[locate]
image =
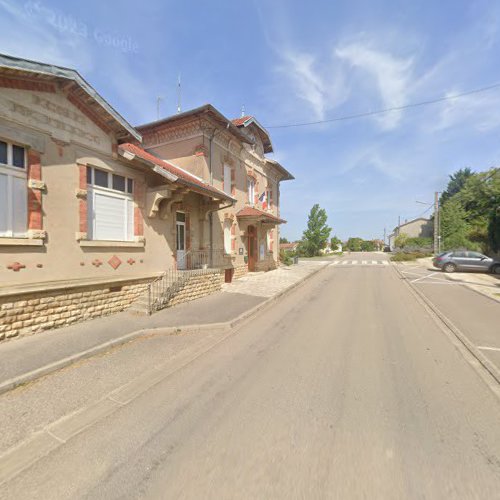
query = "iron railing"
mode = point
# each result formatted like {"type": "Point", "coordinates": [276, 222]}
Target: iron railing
{"type": "Point", "coordinates": [194, 263]}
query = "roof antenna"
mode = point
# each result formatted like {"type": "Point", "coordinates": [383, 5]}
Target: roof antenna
{"type": "Point", "coordinates": [243, 111]}
{"type": "Point", "coordinates": [179, 95]}
{"type": "Point", "coordinates": [158, 100]}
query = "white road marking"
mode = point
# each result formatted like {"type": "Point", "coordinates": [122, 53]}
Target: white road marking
{"type": "Point", "coordinates": [486, 348]}
{"type": "Point", "coordinates": [354, 262]}
{"type": "Point", "coordinates": [423, 277]}
{"type": "Point", "coordinates": [385, 262]}
{"type": "Point", "coordinates": [345, 262]}
{"type": "Point", "coordinates": [335, 263]}
{"type": "Point", "coordinates": [364, 262]}
{"type": "Point", "coordinates": [375, 261]}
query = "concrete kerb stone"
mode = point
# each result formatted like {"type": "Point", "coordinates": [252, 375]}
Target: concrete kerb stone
{"type": "Point", "coordinates": [27, 452]}
{"type": "Point", "coordinates": [31, 376]}
{"type": "Point", "coordinates": [492, 370]}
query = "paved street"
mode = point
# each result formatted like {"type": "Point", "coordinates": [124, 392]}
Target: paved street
{"type": "Point", "coordinates": [345, 388]}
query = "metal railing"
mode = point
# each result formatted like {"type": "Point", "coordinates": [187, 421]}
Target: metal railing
{"type": "Point", "coordinates": [203, 259]}
{"type": "Point", "coordinates": [194, 263]}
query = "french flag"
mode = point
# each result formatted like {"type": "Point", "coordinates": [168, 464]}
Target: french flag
{"type": "Point", "coordinates": [263, 200]}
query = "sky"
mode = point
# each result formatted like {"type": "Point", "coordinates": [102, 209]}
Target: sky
{"type": "Point", "coordinates": [290, 62]}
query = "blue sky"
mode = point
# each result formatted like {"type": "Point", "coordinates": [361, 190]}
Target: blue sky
{"type": "Point", "coordinates": [289, 61]}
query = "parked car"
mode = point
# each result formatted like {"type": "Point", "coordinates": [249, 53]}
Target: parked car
{"type": "Point", "coordinates": [464, 260]}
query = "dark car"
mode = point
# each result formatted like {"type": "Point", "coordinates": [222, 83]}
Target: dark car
{"type": "Point", "coordinates": [465, 260]}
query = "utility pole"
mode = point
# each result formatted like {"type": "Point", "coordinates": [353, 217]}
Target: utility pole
{"type": "Point", "coordinates": [437, 236]}
{"type": "Point", "coordinates": [385, 234]}
{"type": "Point", "coordinates": [179, 94]}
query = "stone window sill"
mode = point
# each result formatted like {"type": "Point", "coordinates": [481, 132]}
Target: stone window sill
{"type": "Point", "coordinates": [24, 242]}
{"type": "Point", "coordinates": [109, 244]}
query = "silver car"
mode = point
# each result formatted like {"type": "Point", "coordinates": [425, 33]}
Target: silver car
{"type": "Point", "coordinates": [464, 260]}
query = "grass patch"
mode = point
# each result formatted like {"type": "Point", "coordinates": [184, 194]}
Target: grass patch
{"type": "Point", "coordinates": [409, 256]}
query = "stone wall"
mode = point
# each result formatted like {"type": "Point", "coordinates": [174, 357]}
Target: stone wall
{"type": "Point", "coordinates": [28, 313]}
{"type": "Point", "coordinates": [266, 265]}
{"type": "Point", "coordinates": [240, 271]}
{"type": "Point", "coordinates": [198, 286]}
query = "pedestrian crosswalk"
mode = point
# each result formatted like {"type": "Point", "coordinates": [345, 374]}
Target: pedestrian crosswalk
{"type": "Point", "coordinates": [348, 262]}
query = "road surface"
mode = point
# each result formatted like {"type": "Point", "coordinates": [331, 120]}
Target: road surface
{"type": "Point", "coordinates": [346, 388]}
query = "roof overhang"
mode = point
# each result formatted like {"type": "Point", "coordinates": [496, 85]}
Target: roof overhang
{"type": "Point", "coordinates": [205, 110]}
{"type": "Point", "coordinates": [72, 83]}
{"type": "Point", "coordinates": [285, 174]}
{"type": "Point", "coordinates": [246, 121]}
{"type": "Point", "coordinates": [172, 173]}
{"type": "Point", "coordinates": [251, 214]}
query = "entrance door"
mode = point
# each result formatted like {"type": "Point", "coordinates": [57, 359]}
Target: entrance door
{"type": "Point", "coordinates": [180, 225]}
{"type": "Point", "coordinates": [252, 247]}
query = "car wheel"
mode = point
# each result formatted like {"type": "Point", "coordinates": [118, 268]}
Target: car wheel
{"type": "Point", "coordinates": [449, 268]}
{"type": "Point", "coordinates": [495, 269]}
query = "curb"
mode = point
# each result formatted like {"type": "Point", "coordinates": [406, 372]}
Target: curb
{"type": "Point", "coordinates": [29, 451]}
{"type": "Point", "coordinates": [25, 378]}
{"type": "Point", "coordinates": [480, 357]}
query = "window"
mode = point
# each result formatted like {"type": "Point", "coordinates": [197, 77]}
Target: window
{"type": "Point", "coordinates": [270, 196]}
{"type": "Point", "coordinates": [227, 236]}
{"type": "Point", "coordinates": [13, 190]}
{"type": "Point", "coordinates": [251, 191]}
{"type": "Point", "coordinates": [110, 206]}
{"type": "Point", "coordinates": [227, 179]}
{"type": "Point", "coordinates": [475, 255]}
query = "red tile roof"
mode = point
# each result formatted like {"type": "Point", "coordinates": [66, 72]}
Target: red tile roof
{"type": "Point", "coordinates": [240, 121]}
{"type": "Point", "coordinates": [184, 177]}
{"type": "Point", "coordinates": [251, 212]}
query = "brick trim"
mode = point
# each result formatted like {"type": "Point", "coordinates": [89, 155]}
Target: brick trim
{"type": "Point", "coordinates": [14, 83]}
{"type": "Point", "coordinates": [35, 219]}
{"type": "Point", "coordinates": [82, 205]}
{"type": "Point", "coordinates": [139, 198]}
{"type": "Point", "coordinates": [88, 112]}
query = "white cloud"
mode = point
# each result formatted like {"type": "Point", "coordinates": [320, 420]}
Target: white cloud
{"type": "Point", "coordinates": [392, 76]}
{"type": "Point", "coordinates": [315, 81]}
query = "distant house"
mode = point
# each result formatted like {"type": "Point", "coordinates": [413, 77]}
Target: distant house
{"type": "Point", "coordinates": [289, 247]}
{"type": "Point", "coordinates": [416, 228]}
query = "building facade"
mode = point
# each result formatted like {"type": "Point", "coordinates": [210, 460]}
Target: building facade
{"type": "Point", "coordinates": [229, 155]}
{"type": "Point", "coordinates": [88, 217]}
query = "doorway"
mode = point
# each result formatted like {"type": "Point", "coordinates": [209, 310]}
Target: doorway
{"type": "Point", "coordinates": [252, 247]}
{"type": "Point", "coordinates": [180, 239]}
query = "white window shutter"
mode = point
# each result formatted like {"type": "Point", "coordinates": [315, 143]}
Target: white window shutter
{"type": "Point", "coordinates": [110, 217]}
{"type": "Point", "coordinates": [4, 204]}
{"type": "Point", "coordinates": [227, 179]}
{"type": "Point", "coordinates": [19, 206]}
{"type": "Point", "coordinates": [227, 237]}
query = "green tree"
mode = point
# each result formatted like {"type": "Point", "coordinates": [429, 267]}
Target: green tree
{"type": "Point", "coordinates": [284, 240]}
{"type": "Point", "coordinates": [354, 244]}
{"type": "Point", "coordinates": [456, 183]}
{"type": "Point", "coordinates": [335, 242]}
{"type": "Point", "coordinates": [454, 226]}
{"type": "Point", "coordinates": [367, 246]}
{"type": "Point", "coordinates": [315, 237]}
{"type": "Point", "coordinates": [401, 240]}
{"type": "Point", "coordinates": [494, 230]}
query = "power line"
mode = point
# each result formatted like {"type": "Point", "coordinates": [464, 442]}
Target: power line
{"type": "Point", "coordinates": [388, 110]}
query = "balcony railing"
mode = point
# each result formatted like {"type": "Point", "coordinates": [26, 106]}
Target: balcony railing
{"type": "Point", "coordinates": [203, 259]}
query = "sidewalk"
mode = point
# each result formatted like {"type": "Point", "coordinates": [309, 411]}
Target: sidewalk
{"type": "Point", "coordinates": [47, 350]}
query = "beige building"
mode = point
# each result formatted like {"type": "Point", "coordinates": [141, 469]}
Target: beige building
{"type": "Point", "coordinates": [229, 155]}
{"type": "Point", "coordinates": [88, 218]}
{"type": "Point", "coordinates": [416, 228]}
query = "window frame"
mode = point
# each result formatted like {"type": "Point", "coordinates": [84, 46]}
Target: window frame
{"type": "Point", "coordinates": [127, 198]}
{"type": "Point", "coordinates": [251, 192]}
{"type": "Point", "coordinates": [11, 171]}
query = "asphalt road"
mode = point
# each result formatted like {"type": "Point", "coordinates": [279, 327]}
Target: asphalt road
{"type": "Point", "coordinates": [346, 388]}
